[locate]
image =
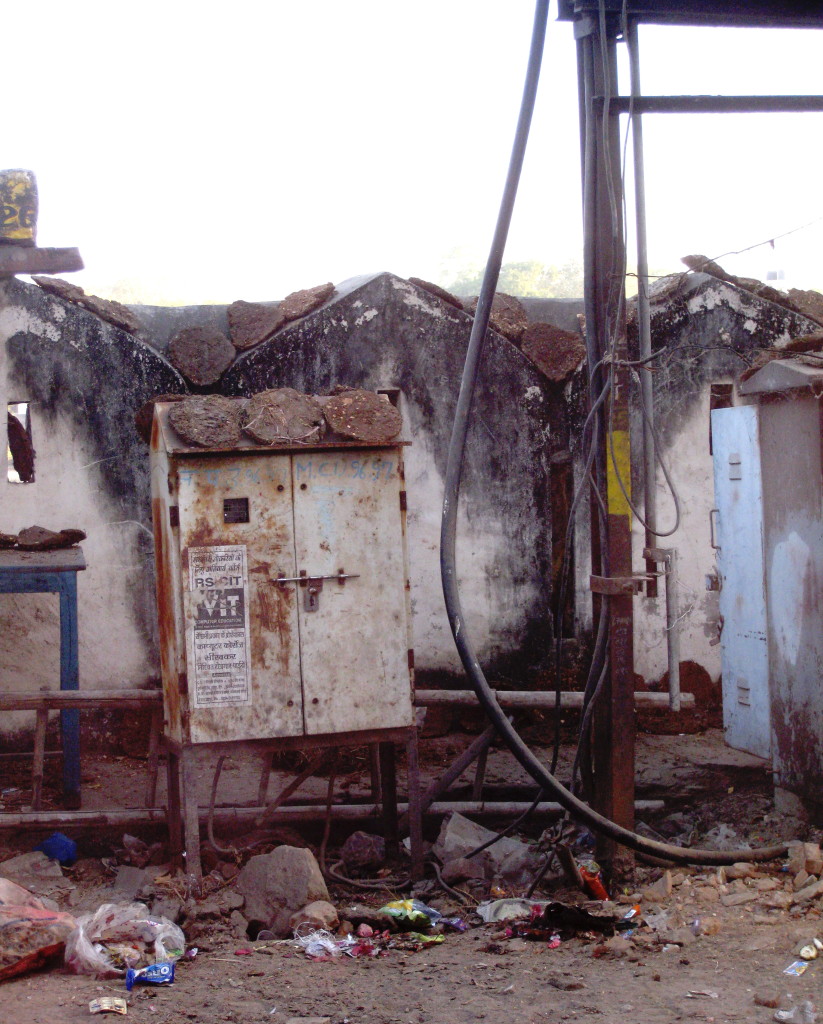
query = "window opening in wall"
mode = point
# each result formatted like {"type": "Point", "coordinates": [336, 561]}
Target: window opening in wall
{"type": "Point", "coordinates": [19, 448]}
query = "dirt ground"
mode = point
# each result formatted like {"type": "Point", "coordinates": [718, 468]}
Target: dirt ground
{"type": "Point", "coordinates": [748, 929]}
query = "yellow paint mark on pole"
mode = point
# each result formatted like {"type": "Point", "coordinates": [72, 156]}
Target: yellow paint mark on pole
{"type": "Point", "coordinates": [619, 455]}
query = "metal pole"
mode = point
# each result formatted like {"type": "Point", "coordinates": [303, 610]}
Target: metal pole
{"type": "Point", "coordinates": [613, 726]}
{"type": "Point", "coordinates": [673, 629]}
{"type": "Point", "coordinates": [643, 314]}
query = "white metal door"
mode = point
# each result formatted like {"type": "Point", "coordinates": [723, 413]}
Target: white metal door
{"type": "Point", "coordinates": [745, 657]}
{"type": "Point", "coordinates": [354, 644]}
{"type": "Point", "coordinates": [236, 537]}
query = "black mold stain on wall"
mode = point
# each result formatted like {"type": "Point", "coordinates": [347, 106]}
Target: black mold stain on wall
{"type": "Point", "coordinates": [96, 377]}
{"type": "Point", "coordinates": [388, 333]}
{"type": "Point", "coordinates": [706, 330]}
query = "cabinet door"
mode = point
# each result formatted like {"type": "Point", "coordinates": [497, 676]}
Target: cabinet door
{"type": "Point", "coordinates": [738, 492]}
{"type": "Point", "coordinates": [354, 645]}
{"type": "Point", "coordinates": [236, 537]}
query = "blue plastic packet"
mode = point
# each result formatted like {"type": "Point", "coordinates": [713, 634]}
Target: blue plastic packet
{"type": "Point", "coordinates": [59, 848]}
{"type": "Point", "coordinates": [154, 974]}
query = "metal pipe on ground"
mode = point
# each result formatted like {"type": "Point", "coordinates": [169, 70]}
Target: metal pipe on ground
{"type": "Point", "coordinates": [285, 815]}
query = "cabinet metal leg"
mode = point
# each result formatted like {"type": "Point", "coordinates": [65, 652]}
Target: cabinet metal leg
{"type": "Point", "coordinates": [415, 817]}
{"type": "Point", "coordinates": [175, 811]}
{"type": "Point", "coordinates": [388, 788]}
{"type": "Point", "coordinates": [191, 819]}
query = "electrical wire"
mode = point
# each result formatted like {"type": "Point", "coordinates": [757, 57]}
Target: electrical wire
{"type": "Point", "coordinates": [451, 590]}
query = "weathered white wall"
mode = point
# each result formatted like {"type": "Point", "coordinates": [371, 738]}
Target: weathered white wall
{"type": "Point", "coordinates": [690, 465]}
{"type": "Point", "coordinates": [67, 492]}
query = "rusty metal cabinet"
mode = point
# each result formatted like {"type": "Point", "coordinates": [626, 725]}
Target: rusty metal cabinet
{"type": "Point", "coordinates": [283, 594]}
{"type": "Point", "coordinates": [283, 590]}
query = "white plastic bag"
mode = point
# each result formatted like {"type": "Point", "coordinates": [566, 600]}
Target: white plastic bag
{"type": "Point", "coordinates": [121, 935]}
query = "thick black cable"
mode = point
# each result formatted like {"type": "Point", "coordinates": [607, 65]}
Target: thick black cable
{"type": "Point", "coordinates": [448, 535]}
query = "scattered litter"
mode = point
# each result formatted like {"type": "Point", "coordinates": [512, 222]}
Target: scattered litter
{"type": "Point", "coordinates": [702, 994]}
{"type": "Point", "coordinates": [808, 952]}
{"type": "Point", "coordinates": [412, 912]}
{"type": "Point", "coordinates": [318, 944]}
{"type": "Point", "coordinates": [154, 974]}
{"type": "Point", "coordinates": [797, 968]}
{"type": "Point", "coordinates": [119, 936]}
{"type": "Point", "coordinates": [592, 879]}
{"type": "Point", "coordinates": [506, 910]}
{"type": "Point", "coordinates": [59, 848]}
{"type": "Point", "coordinates": [109, 1004]}
{"type": "Point", "coordinates": [803, 1013]}
{"type": "Point", "coordinates": [31, 935]}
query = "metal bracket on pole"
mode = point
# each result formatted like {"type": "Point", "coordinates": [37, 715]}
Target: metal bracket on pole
{"type": "Point", "coordinates": [668, 558]}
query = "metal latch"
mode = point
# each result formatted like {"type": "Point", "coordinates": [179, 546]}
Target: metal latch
{"type": "Point", "coordinates": [314, 584]}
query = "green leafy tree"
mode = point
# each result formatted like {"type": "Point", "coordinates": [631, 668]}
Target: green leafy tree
{"type": "Point", "coordinates": [527, 278]}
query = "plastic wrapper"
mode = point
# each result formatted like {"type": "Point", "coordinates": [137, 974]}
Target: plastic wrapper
{"type": "Point", "coordinates": [506, 910]}
{"type": "Point", "coordinates": [119, 936]}
{"type": "Point", "coordinates": [318, 943]}
{"type": "Point", "coordinates": [416, 914]}
{"type": "Point", "coordinates": [30, 934]}
{"type": "Point", "coordinates": [154, 974]}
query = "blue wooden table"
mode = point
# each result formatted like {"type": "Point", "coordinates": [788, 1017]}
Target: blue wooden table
{"type": "Point", "coordinates": [55, 572]}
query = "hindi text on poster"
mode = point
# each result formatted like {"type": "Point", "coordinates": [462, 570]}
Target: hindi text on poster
{"type": "Point", "coordinates": [218, 592]}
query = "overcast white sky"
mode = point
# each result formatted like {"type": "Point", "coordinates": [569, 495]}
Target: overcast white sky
{"type": "Point", "coordinates": [204, 152]}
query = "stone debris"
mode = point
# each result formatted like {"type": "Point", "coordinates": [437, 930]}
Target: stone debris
{"type": "Point", "coordinates": [129, 881]}
{"type": "Point", "coordinates": [808, 893]}
{"type": "Point", "coordinates": [509, 860]}
{"type": "Point", "coordinates": [107, 309]}
{"type": "Point", "coordinates": [805, 857]}
{"type": "Point", "coordinates": [363, 416]}
{"type": "Point", "coordinates": [283, 415]}
{"type": "Point", "coordinates": [144, 417]}
{"type": "Point", "coordinates": [279, 883]}
{"type": "Point", "coordinates": [660, 889]}
{"type": "Point", "coordinates": [201, 354]}
{"type": "Point", "coordinates": [742, 869]}
{"type": "Point", "coordinates": [555, 352]}
{"type": "Point", "coordinates": [38, 538]}
{"type": "Point", "coordinates": [436, 290]}
{"type": "Point", "coordinates": [250, 323]}
{"type": "Point", "coordinates": [305, 301]}
{"type": "Point", "coordinates": [508, 315]}
{"type": "Point", "coordinates": [319, 914]}
{"type": "Point", "coordinates": [208, 421]}
{"type": "Point", "coordinates": [807, 303]}
{"type": "Point", "coordinates": [363, 852]}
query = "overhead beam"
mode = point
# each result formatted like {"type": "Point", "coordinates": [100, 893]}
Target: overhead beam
{"type": "Point", "coordinates": [751, 14]}
{"type": "Point", "coordinates": [712, 104]}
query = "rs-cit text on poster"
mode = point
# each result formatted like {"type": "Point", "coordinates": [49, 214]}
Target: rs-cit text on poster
{"type": "Point", "coordinates": [218, 589]}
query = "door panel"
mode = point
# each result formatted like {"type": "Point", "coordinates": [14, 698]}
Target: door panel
{"type": "Point", "coordinates": [354, 646]}
{"type": "Point", "coordinates": [745, 657]}
{"type": "Point", "coordinates": [241, 627]}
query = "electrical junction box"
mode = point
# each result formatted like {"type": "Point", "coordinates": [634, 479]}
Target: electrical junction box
{"type": "Point", "coordinates": [282, 586]}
